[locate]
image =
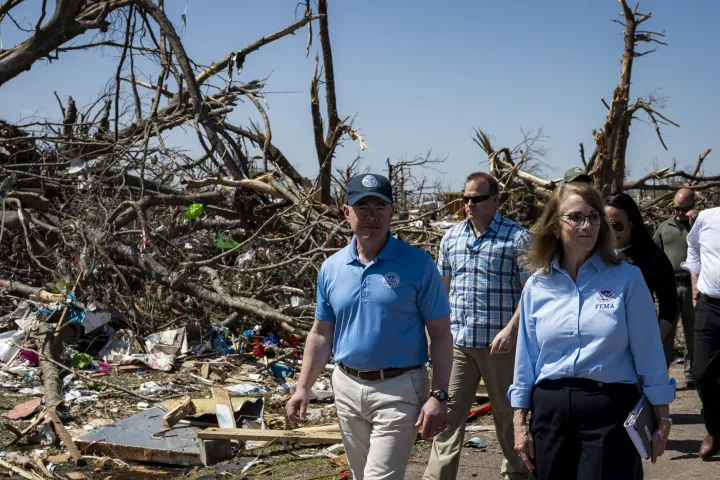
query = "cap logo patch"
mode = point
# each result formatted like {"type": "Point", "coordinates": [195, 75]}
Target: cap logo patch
{"type": "Point", "coordinates": [369, 181]}
{"type": "Point", "coordinates": [391, 280]}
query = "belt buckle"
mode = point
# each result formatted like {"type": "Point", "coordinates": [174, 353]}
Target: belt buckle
{"type": "Point", "coordinates": [360, 372]}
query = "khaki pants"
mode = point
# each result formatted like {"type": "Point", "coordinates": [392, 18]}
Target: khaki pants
{"type": "Point", "coordinates": [377, 421]}
{"type": "Point", "coordinates": [469, 366]}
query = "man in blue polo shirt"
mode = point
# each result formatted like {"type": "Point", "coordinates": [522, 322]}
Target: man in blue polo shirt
{"type": "Point", "coordinates": [375, 299]}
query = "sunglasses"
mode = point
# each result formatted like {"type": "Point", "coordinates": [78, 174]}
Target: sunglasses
{"type": "Point", "coordinates": [683, 209]}
{"type": "Point", "coordinates": [617, 226]}
{"type": "Point", "coordinates": [476, 199]}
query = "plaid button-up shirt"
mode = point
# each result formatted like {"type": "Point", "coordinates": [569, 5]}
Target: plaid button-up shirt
{"type": "Point", "coordinates": [486, 273]}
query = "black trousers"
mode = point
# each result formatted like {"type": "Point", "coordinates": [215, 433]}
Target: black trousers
{"type": "Point", "coordinates": [577, 427]}
{"type": "Point", "coordinates": [706, 362]}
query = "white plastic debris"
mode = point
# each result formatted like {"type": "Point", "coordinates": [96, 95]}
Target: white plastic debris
{"type": "Point", "coordinates": [94, 320]}
{"type": "Point", "coordinates": [171, 342]}
{"type": "Point", "coordinates": [245, 388]}
{"type": "Point", "coordinates": [7, 344]}
{"type": "Point", "coordinates": [296, 301]}
{"type": "Point", "coordinates": [77, 165]}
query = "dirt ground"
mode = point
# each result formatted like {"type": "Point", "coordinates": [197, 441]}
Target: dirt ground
{"type": "Point", "coordinates": [681, 460]}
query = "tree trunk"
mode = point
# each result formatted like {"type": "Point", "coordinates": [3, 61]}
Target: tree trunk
{"type": "Point", "coordinates": [608, 169]}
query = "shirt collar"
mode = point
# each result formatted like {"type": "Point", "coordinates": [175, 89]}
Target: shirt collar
{"type": "Point", "coordinates": [494, 223]}
{"type": "Point", "coordinates": [388, 252]}
{"type": "Point", "coordinates": [595, 260]}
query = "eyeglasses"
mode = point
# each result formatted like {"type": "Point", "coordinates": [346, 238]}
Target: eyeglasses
{"type": "Point", "coordinates": [682, 209]}
{"type": "Point", "coordinates": [578, 219]}
{"type": "Point", "coordinates": [617, 226]}
{"type": "Point", "coordinates": [476, 199]}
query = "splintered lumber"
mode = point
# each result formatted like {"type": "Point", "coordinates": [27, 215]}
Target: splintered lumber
{"type": "Point", "coordinates": [65, 437]}
{"type": "Point", "coordinates": [223, 408]}
{"type": "Point", "coordinates": [19, 471]}
{"type": "Point", "coordinates": [332, 427]}
{"type": "Point", "coordinates": [185, 408]}
{"type": "Point", "coordinates": [253, 434]}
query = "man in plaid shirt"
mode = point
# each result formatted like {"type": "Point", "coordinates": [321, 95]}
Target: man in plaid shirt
{"type": "Point", "coordinates": [479, 261]}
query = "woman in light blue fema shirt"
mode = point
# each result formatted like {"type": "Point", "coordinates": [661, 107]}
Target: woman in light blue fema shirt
{"type": "Point", "coordinates": [588, 332]}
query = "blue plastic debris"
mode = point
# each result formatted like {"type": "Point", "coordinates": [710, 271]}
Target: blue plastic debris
{"type": "Point", "coordinates": [218, 340]}
{"type": "Point", "coordinates": [270, 340]}
{"type": "Point", "coordinates": [476, 442]}
{"type": "Point", "coordinates": [281, 371]}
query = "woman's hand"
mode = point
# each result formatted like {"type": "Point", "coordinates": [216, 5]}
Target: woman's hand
{"type": "Point", "coordinates": [524, 445]}
{"type": "Point", "coordinates": [659, 439]}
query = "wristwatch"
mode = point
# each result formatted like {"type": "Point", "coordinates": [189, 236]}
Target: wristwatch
{"type": "Point", "coordinates": [667, 419]}
{"type": "Point", "coordinates": [440, 395]}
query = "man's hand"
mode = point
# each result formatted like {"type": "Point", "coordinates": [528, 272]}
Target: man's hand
{"type": "Point", "coordinates": [524, 446]}
{"type": "Point", "coordinates": [695, 296]}
{"type": "Point", "coordinates": [692, 215]}
{"type": "Point", "coordinates": [296, 407]}
{"type": "Point", "coordinates": [659, 440]}
{"type": "Point", "coordinates": [504, 341]}
{"type": "Point", "coordinates": [433, 418]}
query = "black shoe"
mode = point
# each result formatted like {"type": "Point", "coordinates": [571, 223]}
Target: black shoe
{"type": "Point", "coordinates": [690, 385]}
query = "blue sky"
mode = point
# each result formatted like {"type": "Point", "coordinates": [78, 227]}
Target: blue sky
{"type": "Point", "coordinates": [420, 74]}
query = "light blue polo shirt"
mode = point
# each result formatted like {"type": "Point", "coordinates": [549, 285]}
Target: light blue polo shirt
{"type": "Point", "coordinates": [380, 309]}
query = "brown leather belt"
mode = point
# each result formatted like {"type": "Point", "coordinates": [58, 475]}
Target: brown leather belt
{"type": "Point", "coordinates": [711, 300]}
{"type": "Point", "coordinates": [376, 374]}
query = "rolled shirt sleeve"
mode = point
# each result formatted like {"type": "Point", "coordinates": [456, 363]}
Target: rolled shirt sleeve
{"type": "Point", "coordinates": [443, 263]}
{"type": "Point", "coordinates": [432, 296]}
{"type": "Point", "coordinates": [522, 239]}
{"type": "Point", "coordinates": [645, 344]}
{"type": "Point", "coordinates": [692, 261]}
{"type": "Point", "coordinates": [526, 355]}
{"type": "Point", "coordinates": [323, 309]}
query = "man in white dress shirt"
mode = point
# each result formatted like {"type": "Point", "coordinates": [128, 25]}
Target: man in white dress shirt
{"type": "Point", "coordinates": [703, 263]}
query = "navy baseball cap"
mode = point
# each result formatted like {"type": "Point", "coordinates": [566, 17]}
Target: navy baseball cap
{"type": "Point", "coordinates": [369, 185]}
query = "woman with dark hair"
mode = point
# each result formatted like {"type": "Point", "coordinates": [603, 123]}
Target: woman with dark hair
{"type": "Point", "coordinates": [636, 246]}
{"type": "Point", "coordinates": [587, 333]}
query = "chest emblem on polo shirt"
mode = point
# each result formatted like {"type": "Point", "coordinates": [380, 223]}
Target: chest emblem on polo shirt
{"type": "Point", "coordinates": [606, 295]}
{"type": "Point", "coordinates": [391, 280]}
{"type": "Point", "coordinates": [369, 181]}
{"type": "Point", "coordinates": [605, 299]}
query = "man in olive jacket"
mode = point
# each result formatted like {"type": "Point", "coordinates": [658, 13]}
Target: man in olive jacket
{"type": "Point", "coordinates": [671, 237]}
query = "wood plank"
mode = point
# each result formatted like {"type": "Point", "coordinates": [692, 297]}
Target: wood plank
{"type": "Point", "coordinates": [65, 437]}
{"type": "Point", "coordinates": [254, 434]}
{"type": "Point", "coordinates": [223, 408]}
{"type": "Point", "coordinates": [139, 454]}
{"type": "Point", "coordinates": [184, 409]}
{"type": "Point", "coordinates": [333, 427]}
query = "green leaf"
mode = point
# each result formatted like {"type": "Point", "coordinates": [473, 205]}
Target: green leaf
{"type": "Point", "coordinates": [226, 241]}
{"type": "Point", "coordinates": [82, 360]}
{"type": "Point", "coordinates": [98, 387]}
{"type": "Point", "coordinates": [194, 211]}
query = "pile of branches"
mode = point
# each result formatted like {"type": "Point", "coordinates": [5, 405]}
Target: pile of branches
{"type": "Point", "coordinates": [99, 202]}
